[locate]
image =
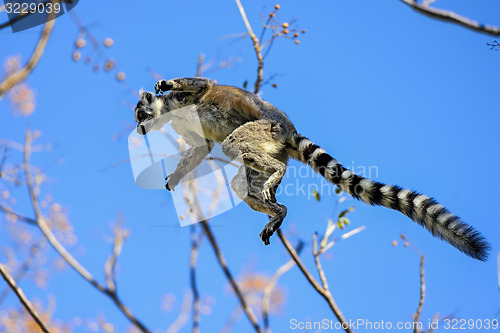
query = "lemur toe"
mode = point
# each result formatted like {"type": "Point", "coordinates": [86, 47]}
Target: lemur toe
{"type": "Point", "coordinates": [268, 195]}
{"type": "Point", "coordinates": [158, 85]}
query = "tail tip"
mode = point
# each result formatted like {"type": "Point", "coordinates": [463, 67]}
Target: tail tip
{"type": "Point", "coordinates": [478, 248]}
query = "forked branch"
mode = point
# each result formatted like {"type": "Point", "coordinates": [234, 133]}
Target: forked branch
{"type": "Point", "coordinates": [322, 290]}
{"type": "Point", "coordinates": [256, 46]}
{"type": "Point", "coordinates": [47, 232]}
{"type": "Point", "coordinates": [222, 262]}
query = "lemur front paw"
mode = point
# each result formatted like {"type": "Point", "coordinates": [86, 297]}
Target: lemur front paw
{"type": "Point", "coordinates": [162, 86]}
{"type": "Point", "coordinates": [172, 181]}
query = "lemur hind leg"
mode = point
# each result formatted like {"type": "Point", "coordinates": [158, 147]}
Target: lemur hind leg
{"type": "Point", "coordinates": [259, 144]}
{"type": "Point", "coordinates": [248, 185]}
{"type": "Point", "coordinates": [184, 84]}
{"type": "Point", "coordinates": [261, 174]}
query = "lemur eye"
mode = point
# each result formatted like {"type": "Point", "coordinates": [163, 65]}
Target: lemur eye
{"type": "Point", "coordinates": [141, 115]}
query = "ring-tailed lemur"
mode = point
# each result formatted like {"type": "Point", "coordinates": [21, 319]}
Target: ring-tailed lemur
{"type": "Point", "coordinates": [265, 138]}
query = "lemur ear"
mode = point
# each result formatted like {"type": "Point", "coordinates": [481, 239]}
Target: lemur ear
{"type": "Point", "coordinates": [147, 96]}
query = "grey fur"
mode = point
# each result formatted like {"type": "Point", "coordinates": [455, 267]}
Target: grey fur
{"type": "Point", "coordinates": [264, 138]}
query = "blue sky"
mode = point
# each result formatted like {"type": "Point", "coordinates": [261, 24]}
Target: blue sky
{"type": "Point", "coordinates": [373, 83]}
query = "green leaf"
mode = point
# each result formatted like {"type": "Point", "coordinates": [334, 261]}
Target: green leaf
{"type": "Point", "coordinates": [340, 224]}
{"type": "Point", "coordinates": [316, 195]}
{"type": "Point", "coordinates": [342, 213]}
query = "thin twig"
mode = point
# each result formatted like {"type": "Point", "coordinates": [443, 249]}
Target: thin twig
{"type": "Point", "coordinates": [110, 265]}
{"type": "Point", "coordinates": [324, 246]}
{"type": "Point", "coordinates": [40, 220]}
{"type": "Point", "coordinates": [4, 158]}
{"type": "Point", "coordinates": [195, 245]}
{"type": "Point", "coordinates": [325, 293]}
{"type": "Point", "coordinates": [316, 254]}
{"type": "Point", "coordinates": [20, 75]}
{"type": "Point", "coordinates": [18, 216]}
{"type": "Point", "coordinates": [21, 271]}
{"type": "Point", "coordinates": [232, 320]}
{"type": "Point", "coordinates": [299, 262]}
{"type": "Point", "coordinates": [222, 262]}
{"type": "Point", "coordinates": [196, 213]}
{"type": "Point", "coordinates": [183, 317]}
{"type": "Point", "coordinates": [24, 300]}
{"type": "Point", "coordinates": [272, 283]}
{"type": "Point", "coordinates": [453, 17]}
{"type": "Point", "coordinates": [433, 320]}
{"type": "Point", "coordinates": [422, 295]}
{"type": "Point", "coordinates": [47, 232]}
{"type": "Point", "coordinates": [328, 295]}
{"type": "Point", "coordinates": [256, 46]}
{"type": "Point", "coordinates": [84, 31]}
{"type": "Point", "coordinates": [422, 282]}
{"type": "Point", "coordinates": [199, 64]}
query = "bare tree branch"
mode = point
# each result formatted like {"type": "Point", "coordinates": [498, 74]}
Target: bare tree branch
{"type": "Point", "coordinates": [232, 320]}
{"type": "Point", "coordinates": [256, 46]}
{"type": "Point", "coordinates": [421, 299]}
{"type": "Point", "coordinates": [494, 45]}
{"type": "Point", "coordinates": [422, 295]}
{"type": "Point", "coordinates": [316, 254]}
{"type": "Point", "coordinates": [183, 317]}
{"type": "Point", "coordinates": [47, 232]}
{"type": "Point", "coordinates": [449, 16]}
{"type": "Point", "coordinates": [199, 64]}
{"type": "Point", "coordinates": [20, 75]}
{"type": "Point", "coordinates": [270, 286]}
{"type": "Point", "coordinates": [195, 211]}
{"type": "Point", "coordinates": [222, 262]}
{"type": "Point", "coordinates": [195, 245]}
{"type": "Point", "coordinates": [301, 265]}
{"type": "Point", "coordinates": [20, 217]}
{"type": "Point", "coordinates": [110, 265]}
{"type": "Point", "coordinates": [23, 269]}
{"type": "Point", "coordinates": [324, 292]}
{"type": "Point", "coordinates": [24, 300]}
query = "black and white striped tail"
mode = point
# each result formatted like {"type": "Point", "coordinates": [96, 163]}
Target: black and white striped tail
{"type": "Point", "coordinates": [419, 207]}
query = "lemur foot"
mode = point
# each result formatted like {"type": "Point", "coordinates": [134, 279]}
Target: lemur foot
{"type": "Point", "coordinates": [273, 225]}
{"type": "Point", "coordinates": [162, 86]}
{"type": "Point", "coordinates": [266, 233]}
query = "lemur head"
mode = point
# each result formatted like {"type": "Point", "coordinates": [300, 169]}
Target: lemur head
{"type": "Point", "coordinates": [152, 106]}
{"type": "Point", "coordinates": [148, 107]}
